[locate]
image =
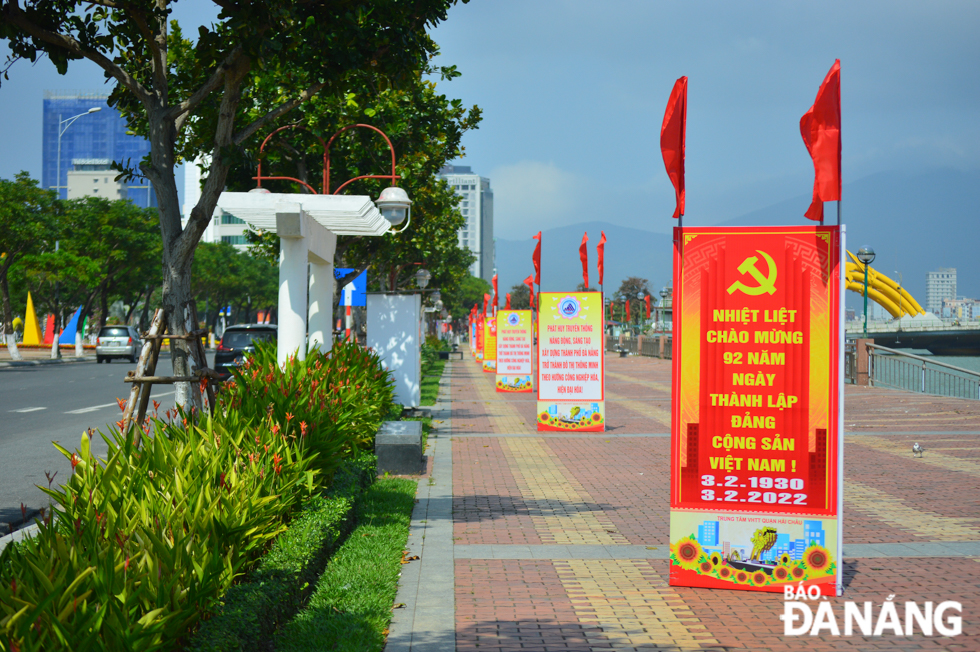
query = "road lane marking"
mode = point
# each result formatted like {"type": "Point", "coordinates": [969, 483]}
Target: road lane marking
{"type": "Point", "coordinates": [22, 410]}
{"type": "Point", "coordinates": [92, 409]}
{"type": "Point", "coordinates": [96, 407]}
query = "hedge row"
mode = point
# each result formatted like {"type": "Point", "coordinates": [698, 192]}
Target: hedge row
{"type": "Point", "coordinates": [253, 610]}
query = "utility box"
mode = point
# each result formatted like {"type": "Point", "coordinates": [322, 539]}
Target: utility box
{"type": "Point", "coordinates": [394, 331]}
{"type": "Point", "coordinates": [398, 446]}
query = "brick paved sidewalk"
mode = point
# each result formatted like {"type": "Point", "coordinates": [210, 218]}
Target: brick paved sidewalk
{"type": "Point", "coordinates": [559, 542]}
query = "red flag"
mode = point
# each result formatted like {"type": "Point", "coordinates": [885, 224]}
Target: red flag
{"type": "Point", "coordinates": [628, 319]}
{"type": "Point", "coordinates": [529, 282]}
{"type": "Point", "coordinates": [494, 290]}
{"type": "Point", "coordinates": [583, 253]}
{"type": "Point", "coordinates": [673, 136]}
{"type": "Point", "coordinates": [536, 258]}
{"type": "Point", "coordinates": [647, 299]}
{"type": "Point", "coordinates": [486, 302]}
{"type": "Point", "coordinates": [601, 249]}
{"type": "Point", "coordinates": [820, 128]}
{"type": "Point", "coordinates": [508, 301]}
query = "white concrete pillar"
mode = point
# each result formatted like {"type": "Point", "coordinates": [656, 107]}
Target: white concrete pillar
{"type": "Point", "coordinates": [321, 303]}
{"type": "Point", "coordinates": [293, 253]}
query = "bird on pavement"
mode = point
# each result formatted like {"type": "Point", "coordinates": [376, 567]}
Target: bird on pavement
{"type": "Point", "coordinates": [917, 450]}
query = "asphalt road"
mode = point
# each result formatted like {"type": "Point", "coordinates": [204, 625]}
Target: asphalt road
{"type": "Point", "coordinates": [46, 403]}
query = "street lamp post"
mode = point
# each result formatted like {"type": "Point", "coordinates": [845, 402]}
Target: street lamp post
{"type": "Point", "coordinates": [867, 256]}
{"type": "Point", "coordinates": [63, 126]}
{"type": "Point", "coordinates": [61, 132]}
{"type": "Point", "coordinates": [663, 304]}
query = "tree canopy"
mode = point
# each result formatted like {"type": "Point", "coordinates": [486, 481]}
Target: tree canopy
{"type": "Point", "coordinates": [191, 97]}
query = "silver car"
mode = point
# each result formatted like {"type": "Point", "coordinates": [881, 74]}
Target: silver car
{"type": "Point", "coordinates": [117, 342]}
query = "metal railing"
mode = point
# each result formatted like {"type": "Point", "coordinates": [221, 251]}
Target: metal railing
{"type": "Point", "coordinates": [850, 362]}
{"type": "Point", "coordinates": [900, 370]}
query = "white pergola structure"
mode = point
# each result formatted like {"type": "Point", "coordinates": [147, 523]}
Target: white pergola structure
{"type": "Point", "coordinates": [308, 226]}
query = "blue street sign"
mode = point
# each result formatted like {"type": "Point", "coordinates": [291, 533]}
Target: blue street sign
{"type": "Point", "coordinates": [355, 292]}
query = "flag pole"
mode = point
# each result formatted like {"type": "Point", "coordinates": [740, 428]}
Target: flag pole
{"type": "Point", "coordinates": [838, 212]}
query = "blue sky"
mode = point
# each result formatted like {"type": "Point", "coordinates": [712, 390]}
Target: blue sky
{"type": "Point", "coordinates": [574, 93]}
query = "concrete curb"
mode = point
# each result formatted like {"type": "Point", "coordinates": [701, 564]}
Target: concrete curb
{"type": "Point", "coordinates": [428, 587]}
{"type": "Point", "coordinates": [35, 363]}
{"type": "Point", "coordinates": [17, 535]}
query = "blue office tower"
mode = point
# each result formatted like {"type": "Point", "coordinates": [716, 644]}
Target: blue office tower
{"type": "Point", "coordinates": [708, 533]}
{"type": "Point", "coordinates": [90, 142]}
{"type": "Point", "coordinates": [813, 532]}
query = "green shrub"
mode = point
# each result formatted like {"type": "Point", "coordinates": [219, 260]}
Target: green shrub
{"type": "Point", "coordinates": [351, 607]}
{"type": "Point", "coordinates": [282, 581]}
{"type": "Point", "coordinates": [147, 541]}
{"type": "Point", "coordinates": [342, 396]}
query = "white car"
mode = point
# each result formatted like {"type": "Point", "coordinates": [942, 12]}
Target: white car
{"type": "Point", "coordinates": [117, 342]}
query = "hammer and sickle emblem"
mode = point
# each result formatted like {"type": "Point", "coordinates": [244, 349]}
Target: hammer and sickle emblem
{"type": "Point", "coordinates": [766, 284]}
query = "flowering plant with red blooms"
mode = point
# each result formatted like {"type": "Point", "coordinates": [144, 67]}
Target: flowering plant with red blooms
{"type": "Point", "coordinates": [338, 398]}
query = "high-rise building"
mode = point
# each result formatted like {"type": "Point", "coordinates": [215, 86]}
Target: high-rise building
{"type": "Point", "coordinates": [940, 285]}
{"type": "Point", "coordinates": [223, 227]}
{"type": "Point", "coordinates": [89, 145]}
{"type": "Point", "coordinates": [813, 533]}
{"type": "Point", "coordinates": [477, 207]}
{"type": "Point", "coordinates": [708, 533]}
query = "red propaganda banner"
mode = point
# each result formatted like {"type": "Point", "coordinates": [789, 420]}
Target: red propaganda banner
{"type": "Point", "coordinates": [479, 339]}
{"type": "Point", "coordinates": [756, 423]}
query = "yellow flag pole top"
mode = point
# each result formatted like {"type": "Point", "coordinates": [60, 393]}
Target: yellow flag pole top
{"type": "Point", "coordinates": [32, 330]}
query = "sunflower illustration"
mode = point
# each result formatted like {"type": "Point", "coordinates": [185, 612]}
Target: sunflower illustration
{"type": "Point", "coordinates": [817, 558]}
{"type": "Point", "coordinates": [596, 417]}
{"type": "Point", "coordinates": [544, 416]}
{"type": "Point", "coordinates": [705, 567]}
{"type": "Point", "coordinates": [741, 577]}
{"type": "Point", "coordinates": [785, 559]}
{"type": "Point", "coordinates": [759, 578]}
{"type": "Point", "coordinates": [780, 573]}
{"type": "Point", "coordinates": [715, 559]}
{"type": "Point", "coordinates": [725, 572]}
{"type": "Point", "coordinates": [687, 551]}
{"type": "Point", "coordinates": [798, 573]}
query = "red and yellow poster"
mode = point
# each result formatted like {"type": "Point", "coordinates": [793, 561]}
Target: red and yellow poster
{"type": "Point", "coordinates": [756, 452]}
{"type": "Point", "coordinates": [571, 377]}
{"type": "Point", "coordinates": [514, 344]}
{"type": "Point", "coordinates": [479, 338]}
{"type": "Point", "coordinates": [490, 344]}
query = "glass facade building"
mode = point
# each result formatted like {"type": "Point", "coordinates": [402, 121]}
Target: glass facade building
{"type": "Point", "coordinates": [100, 135]}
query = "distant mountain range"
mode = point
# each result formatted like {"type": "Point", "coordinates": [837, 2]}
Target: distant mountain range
{"type": "Point", "coordinates": [915, 223]}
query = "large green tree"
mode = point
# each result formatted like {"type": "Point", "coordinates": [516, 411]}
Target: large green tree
{"type": "Point", "coordinates": [225, 276]}
{"type": "Point", "coordinates": [29, 224]}
{"type": "Point", "coordinates": [107, 248]}
{"type": "Point", "coordinates": [186, 96]}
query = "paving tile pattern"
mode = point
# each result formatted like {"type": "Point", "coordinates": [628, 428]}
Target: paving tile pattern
{"type": "Point", "coordinates": [601, 493]}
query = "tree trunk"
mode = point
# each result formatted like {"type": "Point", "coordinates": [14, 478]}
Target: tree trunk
{"type": "Point", "coordinates": [8, 322]}
{"type": "Point", "coordinates": [143, 325]}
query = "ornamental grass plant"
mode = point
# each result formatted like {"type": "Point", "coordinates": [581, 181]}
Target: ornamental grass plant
{"type": "Point", "coordinates": [146, 542]}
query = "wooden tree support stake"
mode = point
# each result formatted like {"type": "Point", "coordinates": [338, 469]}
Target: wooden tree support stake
{"type": "Point", "coordinates": [143, 378]}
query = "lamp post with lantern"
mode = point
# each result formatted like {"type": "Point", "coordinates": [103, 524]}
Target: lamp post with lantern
{"type": "Point", "coordinates": [867, 256]}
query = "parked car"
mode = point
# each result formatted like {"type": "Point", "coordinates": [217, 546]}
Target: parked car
{"type": "Point", "coordinates": [117, 342]}
{"type": "Point", "coordinates": [237, 341]}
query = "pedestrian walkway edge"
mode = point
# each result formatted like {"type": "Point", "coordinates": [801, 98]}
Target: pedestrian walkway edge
{"type": "Point", "coordinates": [427, 587]}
